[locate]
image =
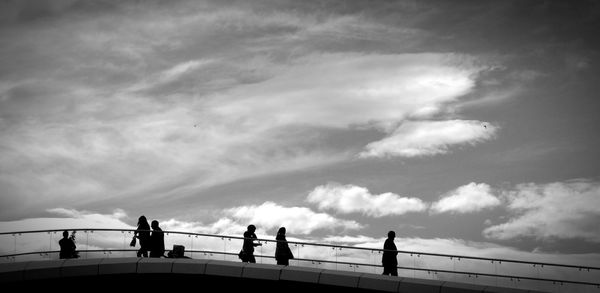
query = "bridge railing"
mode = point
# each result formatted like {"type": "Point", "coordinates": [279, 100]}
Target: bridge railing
{"type": "Point", "coordinates": [102, 243]}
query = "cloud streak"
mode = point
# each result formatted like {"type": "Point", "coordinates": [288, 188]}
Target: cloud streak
{"type": "Point", "coordinates": [429, 138]}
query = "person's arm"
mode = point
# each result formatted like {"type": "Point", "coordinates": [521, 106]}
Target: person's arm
{"type": "Point", "coordinates": [253, 243]}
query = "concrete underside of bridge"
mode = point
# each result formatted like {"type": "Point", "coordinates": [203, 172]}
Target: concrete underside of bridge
{"type": "Point", "coordinates": [118, 274]}
{"type": "Point", "coordinates": [179, 282]}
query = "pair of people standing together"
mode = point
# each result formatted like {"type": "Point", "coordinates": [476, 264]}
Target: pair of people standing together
{"type": "Point", "coordinates": [283, 253]}
{"type": "Point", "coordinates": [153, 242]}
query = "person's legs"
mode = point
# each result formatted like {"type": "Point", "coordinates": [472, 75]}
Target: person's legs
{"type": "Point", "coordinates": [251, 258]}
{"type": "Point", "coordinates": [285, 262]}
{"type": "Point", "coordinates": [394, 271]}
{"type": "Point", "coordinates": [142, 252]}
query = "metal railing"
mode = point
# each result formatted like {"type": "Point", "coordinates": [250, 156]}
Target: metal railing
{"type": "Point", "coordinates": [472, 269]}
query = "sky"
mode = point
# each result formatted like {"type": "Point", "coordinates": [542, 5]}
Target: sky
{"type": "Point", "coordinates": [464, 126]}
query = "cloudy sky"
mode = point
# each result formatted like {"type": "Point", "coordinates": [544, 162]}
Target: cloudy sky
{"type": "Point", "coordinates": [455, 123]}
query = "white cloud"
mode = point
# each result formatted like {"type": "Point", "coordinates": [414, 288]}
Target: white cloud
{"type": "Point", "coordinates": [563, 210]}
{"type": "Point", "coordinates": [428, 138]}
{"type": "Point", "coordinates": [69, 219]}
{"type": "Point", "coordinates": [302, 220]}
{"type": "Point", "coordinates": [345, 89]}
{"type": "Point", "coordinates": [351, 199]}
{"type": "Point", "coordinates": [469, 198]}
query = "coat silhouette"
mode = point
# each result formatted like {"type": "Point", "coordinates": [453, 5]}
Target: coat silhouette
{"type": "Point", "coordinates": [283, 253]}
{"type": "Point", "coordinates": [143, 234]}
{"type": "Point", "coordinates": [157, 241]}
{"type": "Point", "coordinates": [389, 261]}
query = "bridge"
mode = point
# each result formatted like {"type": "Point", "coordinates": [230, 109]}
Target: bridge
{"type": "Point", "coordinates": [106, 261]}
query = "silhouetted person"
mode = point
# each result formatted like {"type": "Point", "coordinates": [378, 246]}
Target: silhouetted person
{"type": "Point", "coordinates": [143, 234]}
{"type": "Point", "coordinates": [389, 261]}
{"type": "Point", "coordinates": [67, 247]}
{"type": "Point", "coordinates": [248, 247]}
{"type": "Point", "coordinates": [157, 241]}
{"type": "Point", "coordinates": [283, 253]}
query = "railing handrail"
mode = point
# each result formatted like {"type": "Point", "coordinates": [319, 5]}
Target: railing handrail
{"type": "Point", "coordinates": [518, 278]}
{"type": "Point", "coordinates": [451, 256]}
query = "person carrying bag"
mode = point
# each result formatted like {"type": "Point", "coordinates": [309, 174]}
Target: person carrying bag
{"type": "Point", "coordinates": [283, 253]}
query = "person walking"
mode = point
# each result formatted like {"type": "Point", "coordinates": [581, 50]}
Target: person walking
{"type": "Point", "coordinates": [389, 261]}
{"type": "Point", "coordinates": [283, 253]}
{"type": "Point", "coordinates": [143, 234]}
{"type": "Point", "coordinates": [157, 241]}
{"type": "Point", "coordinates": [247, 253]}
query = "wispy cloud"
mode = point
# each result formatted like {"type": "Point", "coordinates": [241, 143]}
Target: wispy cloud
{"type": "Point", "coordinates": [216, 98]}
{"type": "Point", "coordinates": [347, 199]}
{"type": "Point", "coordinates": [428, 138]}
{"type": "Point", "coordinates": [469, 198]}
{"type": "Point", "coordinates": [346, 89]}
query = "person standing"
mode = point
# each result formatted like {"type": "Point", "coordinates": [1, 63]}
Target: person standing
{"type": "Point", "coordinates": [283, 253]}
{"type": "Point", "coordinates": [249, 244]}
{"type": "Point", "coordinates": [157, 241]}
{"type": "Point", "coordinates": [67, 247]}
{"type": "Point", "coordinates": [143, 234]}
{"type": "Point", "coordinates": [389, 261]}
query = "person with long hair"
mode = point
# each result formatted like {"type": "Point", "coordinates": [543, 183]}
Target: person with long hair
{"type": "Point", "coordinates": [283, 253]}
{"type": "Point", "coordinates": [143, 234]}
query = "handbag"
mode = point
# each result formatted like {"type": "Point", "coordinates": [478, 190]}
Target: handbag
{"type": "Point", "coordinates": [242, 255]}
{"type": "Point", "coordinates": [132, 243]}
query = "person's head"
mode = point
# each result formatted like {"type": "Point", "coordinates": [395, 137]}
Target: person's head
{"type": "Point", "coordinates": [66, 234]}
{"type": "Point", "coordinates": [251, 228]}
{"type": "Point", "coordinates": [281, 231]}
{"type": "Point", "coordinates": [391, 234]}
{"type": "Point", "coordinates": [142, 219]}
{"type": "Point", "coordinates": [154, 224]}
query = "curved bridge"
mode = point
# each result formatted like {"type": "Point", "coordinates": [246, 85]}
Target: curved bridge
{"type": "Point", "coordinates": [197, 274]}
{"type": "Point", "coordinates": [317, 266]}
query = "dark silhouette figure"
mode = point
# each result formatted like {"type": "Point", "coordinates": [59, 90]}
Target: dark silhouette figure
{"type": "Point", "coordinates": [143, 234]}
{"type": "Point", "coordinates": [67, 246]}
{"type": "Point", "coordinates": [283, 253]}
{"type": "Point", "coordinates": [389, 261]}
{"type": "Point", "coordinates": [247, 253]}
{"type": "Point", "coordinates": [157, 241]}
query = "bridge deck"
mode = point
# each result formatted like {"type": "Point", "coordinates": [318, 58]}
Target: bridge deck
{"type": "Point", "coordinates": [137, 273]}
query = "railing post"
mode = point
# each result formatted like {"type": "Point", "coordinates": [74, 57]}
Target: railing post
{"type": "Point", "coordinates": [224, 247]}
{"type": "Point", "coordinates": [261, 252]}
{"type": "Point", "coordinates": [15, 248]}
